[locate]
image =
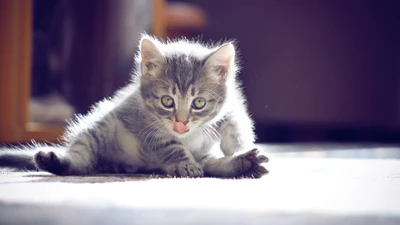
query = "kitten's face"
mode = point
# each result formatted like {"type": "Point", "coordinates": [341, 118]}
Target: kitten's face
{"type": "Point", "coordinates": [183, 92]}
{"type": "Point", "coordinates": [183, 97]}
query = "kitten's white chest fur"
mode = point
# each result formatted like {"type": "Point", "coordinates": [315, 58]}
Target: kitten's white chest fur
{"type": "Point", "coordinates": [194, 143]}
{"type": "Point", "coordinates": [200, 145]}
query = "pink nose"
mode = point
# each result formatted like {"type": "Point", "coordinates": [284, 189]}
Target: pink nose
{"type": "Point", "coordinates": [180, 127]}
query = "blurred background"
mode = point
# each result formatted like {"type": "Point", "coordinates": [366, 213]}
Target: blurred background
{"type": "Point", "coordinates": [312, 70]}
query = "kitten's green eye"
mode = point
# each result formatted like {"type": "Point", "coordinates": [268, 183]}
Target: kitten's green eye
{"type": "Point", "coordinates": [199, 103]}
{"type": "Point", "coordinates": [167, 101]}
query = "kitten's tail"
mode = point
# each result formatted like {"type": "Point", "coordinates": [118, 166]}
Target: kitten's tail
{"type": "Point", "coordinates": [17, 158]}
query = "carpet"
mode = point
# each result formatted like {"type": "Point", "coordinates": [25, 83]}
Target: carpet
{"type": "Point", "coordinates": [307, 184]}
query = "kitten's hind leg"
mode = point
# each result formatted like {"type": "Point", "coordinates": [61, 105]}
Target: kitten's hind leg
{"type": "Point", "coordinates": [63, 161]}
{"type": "Point", "coordinates": [52, 162]}
{"type": "Point", "coordinates": [244, 165]}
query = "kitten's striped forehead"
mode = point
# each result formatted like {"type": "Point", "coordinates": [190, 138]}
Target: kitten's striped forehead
{"type": "Point", "coordinates": [182, 98]}
{"type": "Point", "coordinates": [183, 72]}
{"type": "Point", "coordinates": [191, 90]}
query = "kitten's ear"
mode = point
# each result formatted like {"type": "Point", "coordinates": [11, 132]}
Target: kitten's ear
{"type": "Point", "coordinates": [221, 62]}
{"type": "Point", "coordinates": [152, 58]}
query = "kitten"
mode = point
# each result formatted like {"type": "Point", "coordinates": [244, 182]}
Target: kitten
{"type": "Point", "coordinates": [183, 113]}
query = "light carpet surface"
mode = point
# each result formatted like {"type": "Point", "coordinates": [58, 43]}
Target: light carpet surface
{"type": "Point", "coordinates": [327, 185]}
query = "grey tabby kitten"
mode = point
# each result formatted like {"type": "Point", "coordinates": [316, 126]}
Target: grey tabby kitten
{"type": "Point", "coordinates": [183, 113]}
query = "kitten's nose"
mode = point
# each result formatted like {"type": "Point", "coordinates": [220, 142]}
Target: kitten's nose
{"type": "Point", "coordinates": [182, 116]}
{"type": "Point", "coordinates": [184, 122]}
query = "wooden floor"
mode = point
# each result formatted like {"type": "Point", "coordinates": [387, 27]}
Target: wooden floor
{"type": "Point", "coordinates": [307, 184]}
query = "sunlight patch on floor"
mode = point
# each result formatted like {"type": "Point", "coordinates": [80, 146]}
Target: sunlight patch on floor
{"type": "Point", "coordinates": [359, 186]}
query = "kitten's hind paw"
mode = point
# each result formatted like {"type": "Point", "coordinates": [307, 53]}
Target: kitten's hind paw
{"type": "Point", "coordinates": [50, 162]}
{"type": "Point", "coordinates": [251, 161]}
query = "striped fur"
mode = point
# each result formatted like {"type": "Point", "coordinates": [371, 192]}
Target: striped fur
{"type": "Point", "coordinates": [133, 132]}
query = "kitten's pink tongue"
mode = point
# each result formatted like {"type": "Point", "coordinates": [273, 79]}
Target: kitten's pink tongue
{"type": "Point", "coordinates": [180, 127]}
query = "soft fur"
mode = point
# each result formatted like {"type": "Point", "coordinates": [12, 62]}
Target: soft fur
{"type": "Point", "coordinates": [133, 132]}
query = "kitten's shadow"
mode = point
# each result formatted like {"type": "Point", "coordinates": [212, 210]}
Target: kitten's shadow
{"type": "Point", "coordinates": [32, 177]}
{"type": "Point", "coordinates": [98, 178]}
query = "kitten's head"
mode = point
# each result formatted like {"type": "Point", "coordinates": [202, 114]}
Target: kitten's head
{"type": "Point", "coordinates": [185, 84]}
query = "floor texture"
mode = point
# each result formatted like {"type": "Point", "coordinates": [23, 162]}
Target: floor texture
{"type": "Point", "coordinates": [307, 184]}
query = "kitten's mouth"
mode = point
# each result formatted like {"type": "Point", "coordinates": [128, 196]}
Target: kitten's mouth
{"type": "Point", "coordinates": [180, 127]}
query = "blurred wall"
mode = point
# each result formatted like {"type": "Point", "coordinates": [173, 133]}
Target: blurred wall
{"type": "Point", "coordinates": [84, 49]}
{"type": "Point", "coordinates": [307, 62]}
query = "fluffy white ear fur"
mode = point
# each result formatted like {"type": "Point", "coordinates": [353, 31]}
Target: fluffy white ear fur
{"type": "Point", "coordinates": [151, 57]}
{"type": "Point", "coordinates": [221, 62]}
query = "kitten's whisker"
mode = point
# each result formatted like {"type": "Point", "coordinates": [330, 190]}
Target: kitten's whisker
{"type": "Point", "coordinates": [201, 79]}
{"type": "Point", "coordinates": [144, 130]}
{"type": "Point", "coordinates": [214, 135]}
{"type": "Point", "coordinates": [204, 130]}
{"type": "Point", "coordinates": [214, 127]}
{"type": "Point", "coordinates": [202, 83]}
{"type": "Point", "coordinates": [215, 132]}
{"type": "Point", "coordinates": [165, 82]}
{"type": "Point", "coordinates": [210, 133]}
{"type": "Point", "coordinates": [205, 134]}
{"type": "Point", "coordinates": [155, 133]}
{"type": "Point", "coordinates": [214, 95]}
{"type": "Point", "coordinates": [154, 127]}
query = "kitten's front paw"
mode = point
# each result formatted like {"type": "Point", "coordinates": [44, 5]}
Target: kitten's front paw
{"type": "Point", "coordinates": [49, 162]}
{"type": "Point", "coordinates": [251, 161]}
{"type": "Point", "coordinates": [186, 169]}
